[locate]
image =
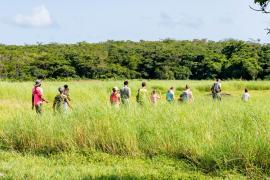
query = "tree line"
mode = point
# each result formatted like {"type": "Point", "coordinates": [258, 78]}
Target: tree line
{"type": "Point", "coordinates": [166, 59]}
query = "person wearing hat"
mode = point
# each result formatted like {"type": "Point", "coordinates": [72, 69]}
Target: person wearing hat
{"type": "Point", "coordinates": [37, 97]}
{"type": "Point", "coordinates": [60, 100]}
{"type": "Point", "coordinates": [115, 97]}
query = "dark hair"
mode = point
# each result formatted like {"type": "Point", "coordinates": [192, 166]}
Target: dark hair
{"type": "Point", "coordinates": [246, 90]}
{"type": "Point", "coordinates": [113, 89]}
{"type": "Point", "coordinates": [154, 91]}
{"type": "Point", "coordinates": [65, 86]}
{"type": "Point", "coordinates": [143, 84]}
{"type": "Point", "coordinates": [187, 87]}
{"type": "Point", "coordinates": [126, 83]}
{"type": "Point", "coordinates": [171, 88]}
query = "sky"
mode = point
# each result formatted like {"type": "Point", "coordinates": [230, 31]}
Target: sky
{"type": "Point", "coordinates": [70, 21]}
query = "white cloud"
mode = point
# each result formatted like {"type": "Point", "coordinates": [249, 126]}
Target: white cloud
{"type": "Point", "coordinates": [39, 18]}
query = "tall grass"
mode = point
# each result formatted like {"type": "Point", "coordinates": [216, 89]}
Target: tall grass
{"type": "Point", "coordinates": [212, 135]}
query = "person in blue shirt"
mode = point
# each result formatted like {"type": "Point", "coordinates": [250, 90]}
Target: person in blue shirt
{"type": "Point", "coordinates": [170, 95]}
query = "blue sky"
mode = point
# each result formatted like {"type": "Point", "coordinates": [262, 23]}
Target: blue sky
{"type": "Point", "coordinates": [67, 21]}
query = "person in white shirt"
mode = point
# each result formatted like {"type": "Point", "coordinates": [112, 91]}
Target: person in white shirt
{"type": "Point", "coordinates": [187, 95]}
{"type": "Point", "coordinates": [245, 96]}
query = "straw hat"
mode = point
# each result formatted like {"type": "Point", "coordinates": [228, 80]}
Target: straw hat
{"type": "Point", "coordinates": [37, 83]}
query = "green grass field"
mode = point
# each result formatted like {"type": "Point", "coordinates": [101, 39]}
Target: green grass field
{"type": "Point", "coordinates": [202, 140]}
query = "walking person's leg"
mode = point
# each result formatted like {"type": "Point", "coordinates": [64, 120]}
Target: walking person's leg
{"type": "Point", "coordinates": [38, 109]}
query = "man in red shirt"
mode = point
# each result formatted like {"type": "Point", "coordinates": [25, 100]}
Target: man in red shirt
{"type": "Point", "coordinates": [37, 97]}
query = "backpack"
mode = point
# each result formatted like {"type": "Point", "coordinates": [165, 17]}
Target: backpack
{"type": "Point", "coordinates": [185, 96]}
{"type": "Point", "coordinates": [169, 96]}
{"type": "Point", "coordinates": [60, 100]}
{"type": "Point", "coordinates": [138, 96]}
{"type": "Point", "coordinates": [124, 92]}
{"type": "Point", "coordinates": [216, 88]}
{"type": "Point", "coordinates": [141, 96]}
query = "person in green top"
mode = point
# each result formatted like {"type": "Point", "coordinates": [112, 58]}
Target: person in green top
{"type": "Point", "coordinates": [60, 100]}
{"type": "Point", "coordinates": [142, 94]}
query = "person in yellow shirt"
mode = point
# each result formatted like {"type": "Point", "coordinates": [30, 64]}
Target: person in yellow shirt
{"type": "Point", "coordinates": [142, 94]}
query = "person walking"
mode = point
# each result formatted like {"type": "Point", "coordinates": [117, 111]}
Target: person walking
{"type": "Point", "coordinates": [37, 97]}
{"type": "Point", "coordinates": [142, 94]}
{"type": "Point", "coordinates": [115, 97]}
{"type": "Point", "coordinates": [216, 90]}
{"type": "Point", "coordinates": [154, 97]}
{"type": "Point", "coordinates": [125, 94]}
{"type": "Point", "coordinates": [186, 95]}
{"type": "Point", "coordinates": [170, 95]}
{"type": "Point", "coordinates": [66, 93]}
{"type": "Point", "coordinates": [60, 100]}
{"type": "Point", "coordinates": [245, 96]}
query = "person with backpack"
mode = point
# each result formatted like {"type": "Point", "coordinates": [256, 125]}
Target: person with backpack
{"type": "Point", "coordinates": [186, 95]}
{"type": "Point", "coordinates": [115, 97]}
{"type": "Point", "coordinates": [142, 94]}
{"type": "Point", "coordinates": [216, 90]}
{"type": "Point", "coordinates": [170, 95]}
{"type": "Point", "coordinates": [37, 97]}
{"type": "Point", "coordinates": [125, 93]}
{"type": "Point", "coordinates": [60, 100]}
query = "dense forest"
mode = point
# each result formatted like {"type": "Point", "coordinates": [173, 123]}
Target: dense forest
{"type": "Point", "coordinates": [166, 59]}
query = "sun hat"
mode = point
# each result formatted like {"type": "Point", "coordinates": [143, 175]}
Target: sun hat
{"type": "Point", "coordinates": [37, 83]}
{"type": "Point", "coordinates": [61, 89]}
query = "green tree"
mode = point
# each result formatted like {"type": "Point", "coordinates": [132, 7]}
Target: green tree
{"type": "Point", "coordinates": [263, 5]}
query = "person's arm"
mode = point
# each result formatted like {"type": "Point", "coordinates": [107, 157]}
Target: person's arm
{"type": "Point", "coordinates": [33, 101]}
{"type": "Point", "coordinates": [160, 95]}
{"type": "Point", "coordinates": [40, 94]}
{"type": "Point", "coordinates": [54, 103]}
{"type": "Point", "coordinates": [119, 97]}
{"type": "Point", "coordinates": [67, 94]}
{"type": "Point", "coordinates": [68, 98]}
{"type": "Point", "coordinates": [129, 93]}
{"type": "Point", "coordinates": [68, 104]}
{"type": "Point", "coordinates": [44, 100]}
{"type": "Point", "coordinates": [191, 97]}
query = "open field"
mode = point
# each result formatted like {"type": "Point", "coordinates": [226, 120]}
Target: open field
{"type": "Point", "coordinates": [201, 140]}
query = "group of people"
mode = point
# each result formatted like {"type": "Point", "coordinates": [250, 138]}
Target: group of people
{"type": "Point", "coordinates": [123, 95]}
{"type": "Point", "coordinates": [216, 92]}
{"type": "Point", "coordinates": [62, 100]}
